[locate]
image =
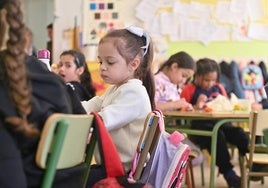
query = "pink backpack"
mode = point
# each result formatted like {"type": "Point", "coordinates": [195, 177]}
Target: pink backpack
{"type": "Point", "coordinates": [168, 160]}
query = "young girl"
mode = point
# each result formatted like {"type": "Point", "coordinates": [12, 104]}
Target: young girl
{"type": "Point", "coordinates": [205, 87]}
{"type": "Point", "coordinates": [169, 79]}
{"type": "Point", "coordinates": [125, 57]}
{"type": "Point", "coordinates": [74, 71]}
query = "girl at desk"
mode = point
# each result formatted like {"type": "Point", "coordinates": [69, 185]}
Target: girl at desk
{"type": "Point", "coordinates": [125, 57]}
{"type": "Point", "coordinates": [171, 75]}
{"type": "Point", "coordinates": [205, 87]}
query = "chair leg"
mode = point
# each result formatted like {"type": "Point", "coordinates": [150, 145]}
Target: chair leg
{"type": "Point", "coordinates": [202, 174]}
{"type": "Point", "coordinates": [189, 174]}
{"type": "Point", "coordinates": [262, 180]}
{"type": "Point", "coordinates": [243, 172]}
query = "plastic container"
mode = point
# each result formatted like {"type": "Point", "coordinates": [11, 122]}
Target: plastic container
{"type": "Point", "coordinates": [44, 56]}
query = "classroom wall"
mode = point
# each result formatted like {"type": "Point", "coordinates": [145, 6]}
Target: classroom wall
{"type": "Point", "coordinates": [38, 14]}
{"type": "Point", "coordinates": [230, 49]}
{"type": "Point", "coordinates": [66, 12]}
{"type": "Point", "coordinates": [256, 50]}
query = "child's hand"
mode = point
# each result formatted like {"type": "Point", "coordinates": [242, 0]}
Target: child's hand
{"type": "Point", "coordinates": [183, 105]}
{"type": "Point", "coordinates": [256, 106]}
{"type": "Point", "coordinates": [201, 101]}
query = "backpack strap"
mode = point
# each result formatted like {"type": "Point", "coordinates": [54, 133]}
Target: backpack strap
{"type": "Point", "coordinates": [108, 151]}
{"type": "Point", "coordinates": [161, 123]}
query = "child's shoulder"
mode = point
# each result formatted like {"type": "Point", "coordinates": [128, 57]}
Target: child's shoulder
{"type": "Point", "coordinates": [132, 85]}
{"type": "Point", "coordinates": [189, 86]}
{"type": "Point", "coordinates": [219, 85]}
{"type": "Point", "coordinates": [221, 88]}
{"type": "Point", "coordinates": [160, 77]}
{"type": "Point", "coordinates": [188, 89]}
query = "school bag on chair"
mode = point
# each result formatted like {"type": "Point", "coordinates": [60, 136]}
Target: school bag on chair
{"type": "Point", "coordinates": [115, 175]}
{"type": "Point", "coordinates": [168, 160]}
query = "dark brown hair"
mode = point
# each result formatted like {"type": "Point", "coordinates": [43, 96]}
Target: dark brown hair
{"type": "Point", "coordinates": [205, 66]}
{"type": "Point", "coordinates": [85, 78]}
{"type": "Point", "coordinates": [183, 59]}
{"type": "Point", "coordinates": [129, 46]}
{"type": "Point", "coordinates": [16, 81]}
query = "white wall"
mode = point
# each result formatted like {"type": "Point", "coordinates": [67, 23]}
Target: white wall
{"type": "Point", "coordinates": [65, 13]}
{"type": "Point", "coordinates": [38, 14]}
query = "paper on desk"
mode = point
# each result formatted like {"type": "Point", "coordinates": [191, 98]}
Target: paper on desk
{"type": "Point", "coordinates": [241, 105]}
{"type": "Point", "coordinates": [220, 104]}
{"type": "Point", "coordinates": [223, 104]}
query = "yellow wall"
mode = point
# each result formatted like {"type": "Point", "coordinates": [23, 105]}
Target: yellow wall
{"type": "Point", "coordinates": [222, 50]}
{"type": "Point", "coordinates": [97, 80]}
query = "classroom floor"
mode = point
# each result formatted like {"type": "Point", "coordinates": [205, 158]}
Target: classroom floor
{"type": "Point", "coordinates": [219, 180]}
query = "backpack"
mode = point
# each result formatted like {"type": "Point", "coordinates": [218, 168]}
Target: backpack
{"type": "Point", "coordinates": [252, 80]}
{"type": "Point", "coordinates": [115, 174]}
{"type": "Point", "coordinates": [168, 160]}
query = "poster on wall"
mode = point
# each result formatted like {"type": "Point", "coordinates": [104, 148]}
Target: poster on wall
{"type": "Point", "coordinates": [180, 20]}
{"type": "Point", "coordinates": [100, 17]}
{"type": "Point", "coordinates": [205, 20]}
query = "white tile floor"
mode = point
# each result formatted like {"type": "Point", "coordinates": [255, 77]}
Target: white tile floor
{"type": "Point", "coordinates": [219, 180]}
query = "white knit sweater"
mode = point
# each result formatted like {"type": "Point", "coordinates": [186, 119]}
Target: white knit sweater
{"type": "Point", "coordinates": [123, 111]}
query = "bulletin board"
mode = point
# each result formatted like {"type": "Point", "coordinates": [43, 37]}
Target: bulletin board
{"type": "Point", "coordinates": [206, 21]}
{"type": "Point", "coordinates": [210, 27]}
{"type": "Point", "coordinates": [203, 28]}
{"type": "Point", "coordinates": [181, 20]}
{"type": "Point", "coordinates": [103, 15]}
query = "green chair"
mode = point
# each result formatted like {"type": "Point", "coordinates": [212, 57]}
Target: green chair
{"type": "Point", "coordinates": [64, 143]}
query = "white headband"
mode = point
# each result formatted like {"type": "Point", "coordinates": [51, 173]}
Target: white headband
{"type": "Point", "coordinates": [140, 32]}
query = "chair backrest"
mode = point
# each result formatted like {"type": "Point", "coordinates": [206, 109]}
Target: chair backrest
{"type": "Point", "coordinates": [147, 142]}
{"type": "Point", "coordinates": [265, 135]}
{"type": "Point", "coordinates": [262, 119]}
{"type": "Point", "coordinates": [63, 143]}
{"type": "Point", "coordinates": [257, 123]}
{"type": "Point", "coordinates": [74, 142]}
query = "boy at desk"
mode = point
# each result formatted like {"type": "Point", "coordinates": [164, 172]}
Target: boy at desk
{"type": "Point", "coordinates": [205, 87]}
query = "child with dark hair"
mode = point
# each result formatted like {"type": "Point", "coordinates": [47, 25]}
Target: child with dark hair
{"type": "Point", "coordinates": [73, 69]}
{"type": "Point", "coordinates": [125, 57]}
{"type": "Point", "coordinates": [169, 80]}
{"type": "Point", "coordinates": [205, 87]}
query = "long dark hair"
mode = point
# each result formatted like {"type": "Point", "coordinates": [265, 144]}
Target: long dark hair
{"type": "Point", "coordinates": [183, 59]}
{"type": "Point", "coordinates": [129, 46]}
{"type": "Point", "coordinates": [85, 78]}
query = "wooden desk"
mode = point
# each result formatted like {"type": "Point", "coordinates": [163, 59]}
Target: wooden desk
{"type": "Point", "coordinates": [222, 117]}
